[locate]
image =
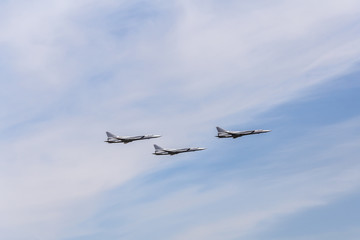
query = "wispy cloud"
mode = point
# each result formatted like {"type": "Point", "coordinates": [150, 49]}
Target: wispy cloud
{"type": "Point", "coordinates": [230, 204]}
{"type": "Point", "coordinates": [74, 70]}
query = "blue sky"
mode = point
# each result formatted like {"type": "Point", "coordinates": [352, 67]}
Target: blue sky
{"type": "Point", "coordinates": [71, 71]}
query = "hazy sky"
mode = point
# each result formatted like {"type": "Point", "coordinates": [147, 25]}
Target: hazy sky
{"type": "Point", "coordinates": [71, 70]}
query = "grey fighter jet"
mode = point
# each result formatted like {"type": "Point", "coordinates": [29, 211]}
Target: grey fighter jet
{"type": "Point", "coordinates": [111, 138]}
{"type": "Point", "coordinates": [163, 151]}
{"type": "Point", "coordinates": [222, 133]}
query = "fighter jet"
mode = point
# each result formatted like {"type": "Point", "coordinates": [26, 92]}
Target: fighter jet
{"type": "Point", "coordinates": [111, 138]}
{"type": "Point", "coordinates": [222, 133]}
{"type": "Point", "coordinates": [163, 151]}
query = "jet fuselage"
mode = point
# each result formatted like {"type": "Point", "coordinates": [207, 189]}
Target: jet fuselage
{"type": "Point", "coordinates": [235, 134]}
{"type": "Point", "coordinates": [163, 151]}
{"type": "Point", "coordinates": [126, 139]}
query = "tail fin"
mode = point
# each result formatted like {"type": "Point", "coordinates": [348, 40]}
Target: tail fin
{"type": "Point", "coordinates": [158, 148]}
{"type": "Point", "coordinates": [219, 129]}
{"type": "Point", "coordinates": [110, 135]}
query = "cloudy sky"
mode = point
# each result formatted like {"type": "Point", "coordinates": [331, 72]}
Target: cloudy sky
{"type": "Point", "coordinates": [71, 70]}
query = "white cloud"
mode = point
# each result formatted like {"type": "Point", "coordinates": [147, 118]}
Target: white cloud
{"type": "Point", "coordinates": [171, 73]}
{"type": "Point", "coordinates": [283, 183]}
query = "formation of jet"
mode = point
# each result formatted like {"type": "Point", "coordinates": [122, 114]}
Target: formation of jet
{"type": "Point", "coordinates": [111, 138]}
{"type": "Point", "coordinates": [163, 151]}
{"type": "Point", "coordinates": [222, 133]}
